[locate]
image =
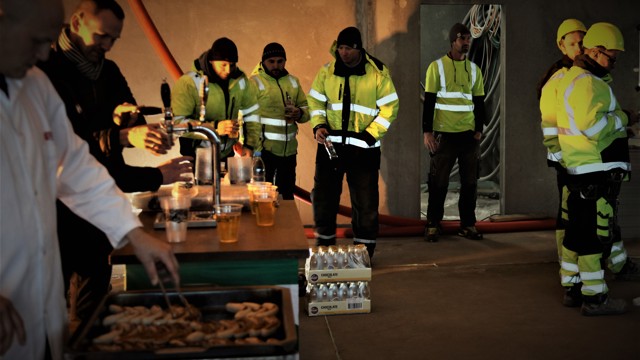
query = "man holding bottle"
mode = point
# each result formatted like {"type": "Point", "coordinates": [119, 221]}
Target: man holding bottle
{"type": "Point", "coordinates": [353, 102]}
{"type": "Point", "coordinates": [283, 105]}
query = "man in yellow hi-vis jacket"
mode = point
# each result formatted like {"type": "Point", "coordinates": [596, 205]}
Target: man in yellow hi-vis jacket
{"type": "Point", "coordinates": [283, 105]}
{"type": "Point", "coordinates": [569, 40]}
{"type": "Point", "coordinates": [353, 102]}
{"type": "Point", "coordinates": [593, 139]}
{"type": "Point", "coordinates": [452, 122]}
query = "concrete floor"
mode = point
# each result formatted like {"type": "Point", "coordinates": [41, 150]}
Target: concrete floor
{"type": "Point", "coordinates": [460, 299]}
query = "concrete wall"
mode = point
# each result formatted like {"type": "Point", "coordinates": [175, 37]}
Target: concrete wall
{"type": "Point", "coordinates": [392, 33]}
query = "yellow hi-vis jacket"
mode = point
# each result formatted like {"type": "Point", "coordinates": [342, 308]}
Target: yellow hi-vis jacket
{"type": "Point", "coordinates": [374, 102]}
{"type": "Point", "coordinates": [279, 137]}
{"type": "Point", "coordinates": [548, 113]}
{"type": "Point", "coordinates": [455, 83]}
{"type": "Point", "coordinates": [243, 102]}
{"type": "Point", "coordinates": [589, 120]}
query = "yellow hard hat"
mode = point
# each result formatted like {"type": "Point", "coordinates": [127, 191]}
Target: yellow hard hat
{"type": "Point", "coordinates": [569, 26]}
{"type": "Point", "coordinates": [604, 34]}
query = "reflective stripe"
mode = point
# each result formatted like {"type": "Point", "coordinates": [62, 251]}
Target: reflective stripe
{"type": "Point", "coordinates": [573, 131]}
{"type": "Point", "coordinates": [571, 267]}
{"type": "Point", "coordinates": [568, 132]}
{"type": "Point", "coordinates": [251, 118]}
{"type": "Point", "coordinates": [596, 289]}
{"type": "Point", "coordinates": [443, 93]}
{"type": "Point", "coordinates": [316, 95]}
{"type": "Point", "coordinates": [457, 108]}
{"type": "Point", "coordinates": [454, 95]}
{"type": "Point", "coordinates": [364, 110]}
{"type": "Point", "coordinates": [197, 79]}
{"type": "Point", "coordinates": [322, 113]}
{"type": "Point", "coordinates": [273, 122]}
{"type": "Point", "coordinates": [355, 108]}
{"type": "Point", "coordinates": [583, 169]}
{"type": "Point", "coordinates": [613, 103]}
{"type": "Point", "coordinates": [570, 280]}
{"type": "Point", "coordinates": [293, 82]}
{"type": "Point", "coordinates": [570, 115]}
{"type": "Point", "coordinates": [260, 83]}
{"type": "Point", "coordinates": [594, 275]}
{"type": "Point", "coordinates": [279, 137]}
{"type": "Point", "coordinates": [250, 110]}
{"type": "Point", "coordinates": [549, 131]}
{"type": "Point", "coordinates": [617, 247]}
{"type": "Point", "coordinates": [597, 127]}
{"type": "Point", "coordinates": [364, 241]}
{"type": "Point", "coordinates": [473, 74]}
{"type": "Point", "coordinates": [443, 80]}
{"type": "Point", "coordinates": [382, 121]}
{"type": "Point", "coordinates": [618, 259]}
{"type": "Point", "coordinates": [387, 99]}
{"type": "Point", "coordinates": [242, 84]}
{"type": "Point", "coordinates": [352, 141]}
{"type": "Point", "coordinates": [325, 237]}
{"type": "Point", "coordinates": [554, 156]}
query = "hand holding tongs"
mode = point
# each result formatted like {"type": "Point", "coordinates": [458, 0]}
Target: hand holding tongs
{"type": "Point", "coordinates": [165, 277]}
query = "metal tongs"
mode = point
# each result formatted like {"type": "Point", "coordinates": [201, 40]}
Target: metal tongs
{"type": "Point", "coordinates": [165, 277]}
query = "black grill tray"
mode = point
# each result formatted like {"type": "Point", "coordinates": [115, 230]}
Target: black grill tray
{"type": "Point", "coordinates": [211, 302]}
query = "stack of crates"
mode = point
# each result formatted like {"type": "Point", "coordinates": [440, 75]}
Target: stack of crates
{"type": "Point", "coordinates": [338, 280]}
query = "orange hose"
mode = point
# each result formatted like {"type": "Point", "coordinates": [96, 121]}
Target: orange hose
{"type": "Point", "coordinates": [155, 39]}
{"type": "Point", "coordinates": [400, 226]}
{"type": "Point", "coordinates": [450, 227]}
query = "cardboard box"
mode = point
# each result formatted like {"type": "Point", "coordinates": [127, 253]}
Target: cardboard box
{"type": "Point", "coordinates": [349, 306]}
{"type": "Point", "coordinates": [338, 275]}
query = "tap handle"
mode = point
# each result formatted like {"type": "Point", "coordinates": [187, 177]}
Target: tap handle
{"type": "Point", "coordinates": [203, 92]}
{"type": "Point", "coordinates": [165, 93]}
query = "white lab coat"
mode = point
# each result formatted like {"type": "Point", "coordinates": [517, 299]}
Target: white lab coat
{"type": "Point", "coordinates": [42, 159]}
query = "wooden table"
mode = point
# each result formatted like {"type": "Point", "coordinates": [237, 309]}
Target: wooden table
{"type": "Point", "coordinates": [262, 255]}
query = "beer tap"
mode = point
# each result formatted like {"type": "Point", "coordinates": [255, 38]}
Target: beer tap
{"type": "Point", "coordinates": [211, 135]}
{"type": "Point", "coordinates": [203, 92]}
{"type": "Point", "coordinates": [165, 93]}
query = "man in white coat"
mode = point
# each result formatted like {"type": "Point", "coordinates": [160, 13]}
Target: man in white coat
{"type": "Point", "coordinates": [41, 159]}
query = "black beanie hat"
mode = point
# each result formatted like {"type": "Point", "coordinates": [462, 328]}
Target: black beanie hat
{"type": "Point", "coordinates": [350, 37]}
{"type": "Point", "coordinates": [273, 50]}
{"type": "Point", "coordinates": [457, 31]}
{"type": "Point", "coordinates": [223, 49]}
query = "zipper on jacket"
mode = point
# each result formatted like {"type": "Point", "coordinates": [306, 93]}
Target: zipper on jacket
{"type": "Point", "coordinates": [285, 96]}
{"type": "Point", "coordinates": [340, 92]}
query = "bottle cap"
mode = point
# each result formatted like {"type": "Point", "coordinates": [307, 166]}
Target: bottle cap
{"type": "Point", "coordinates": [257, 153]}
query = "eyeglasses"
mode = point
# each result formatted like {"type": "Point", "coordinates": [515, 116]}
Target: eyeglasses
{"type": "Point", "coordinates": [612, 60]}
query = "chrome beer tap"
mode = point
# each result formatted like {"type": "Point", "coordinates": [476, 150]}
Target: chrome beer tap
{"type": "Point", "coordinates": [211, 135]}
{"type": "Point", "coordinates": [165, 93]}
{"type": "Point", "coordinates": [203, 92]}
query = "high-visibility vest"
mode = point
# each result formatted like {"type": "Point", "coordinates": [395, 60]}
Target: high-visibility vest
{"type": "Point", "coordinates": [455, 83]}
{"type": "Point", "coordinates": [589, 120]}
{"type": "Point", "coordinates": [548, 113]}
{"type": "Point", "coordinates": [374, 102]}
{"type": "Point", "coordinates": [243, 102]}
{"type": "Point", "coordinates": [278, 136]}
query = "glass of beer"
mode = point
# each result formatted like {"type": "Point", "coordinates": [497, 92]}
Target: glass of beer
{"type": "Point", "coordinates": [252, 188]}
{"type": "Point", "coordinates": [265, 207]}
{"type": "Point", "coordinates": [228, 220]}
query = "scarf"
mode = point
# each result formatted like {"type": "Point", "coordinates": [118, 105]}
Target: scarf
{"type": "Point", "coordinates": [73, 53]}
{"type": "Point", "coordinates": [587, 63]}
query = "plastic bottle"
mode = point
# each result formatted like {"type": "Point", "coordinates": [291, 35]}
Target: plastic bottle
{"type": "Point", "coordinates": [258, 169]}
